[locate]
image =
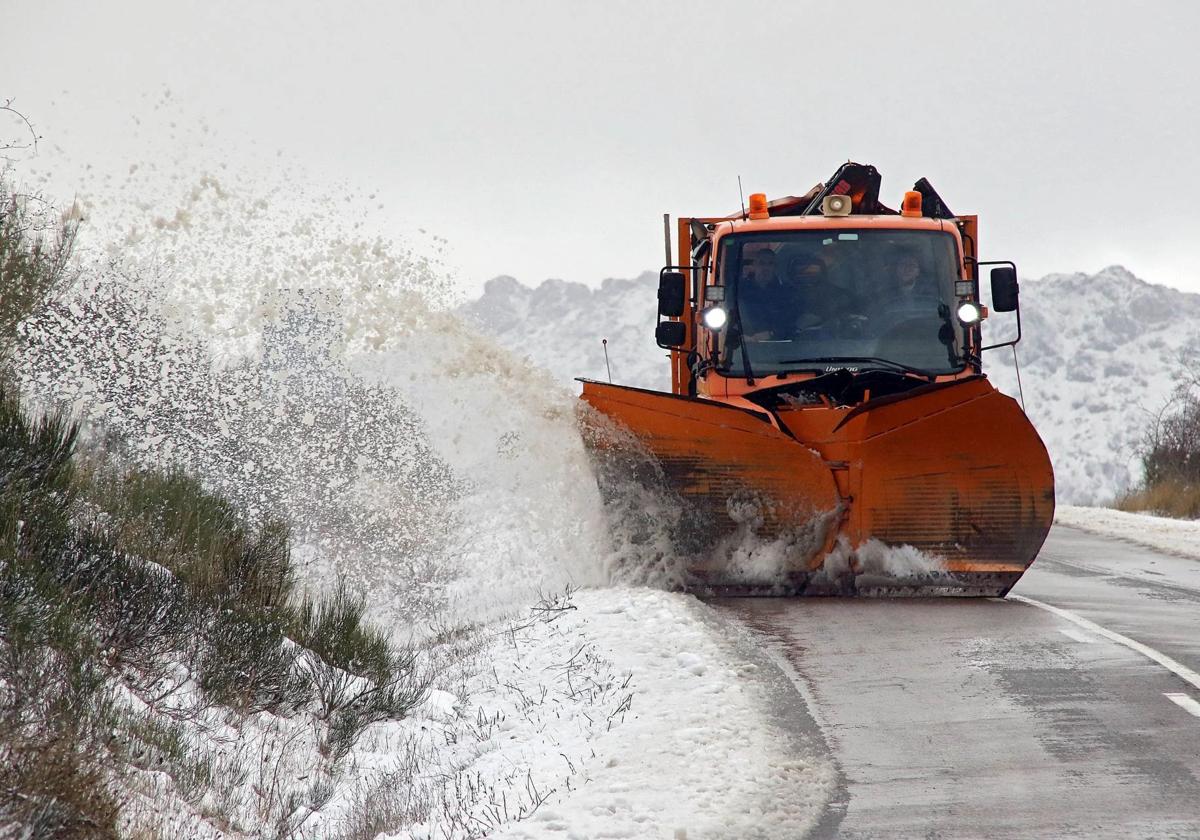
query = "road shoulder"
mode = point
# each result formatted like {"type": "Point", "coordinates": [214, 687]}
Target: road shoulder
{"type": "Point", "coordinates": [1178, 537]}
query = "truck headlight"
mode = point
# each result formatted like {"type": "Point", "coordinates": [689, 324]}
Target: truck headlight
{"type": "Point", "coordinates": [969, 312]}
{"type": "Point", "coordinates": [714, 317]}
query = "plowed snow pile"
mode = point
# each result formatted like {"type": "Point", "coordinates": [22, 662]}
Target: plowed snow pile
{"type": "Point", "coordinates": [304, 367]}
{"type": "Point", "coordinates": [1174, 536]}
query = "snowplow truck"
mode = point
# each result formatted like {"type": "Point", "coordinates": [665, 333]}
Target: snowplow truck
{"type": "Point", "coordinates": [827, 392]}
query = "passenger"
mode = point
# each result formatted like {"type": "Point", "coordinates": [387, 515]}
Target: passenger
{"type": "Point", "coordinates": [810, 291]}
{"type": "Point", "coordinates": [759, 266]}
{"type": "Point", "coordinates": [913, 289]}
{"type": "Point", "coordinates": [909, 314]}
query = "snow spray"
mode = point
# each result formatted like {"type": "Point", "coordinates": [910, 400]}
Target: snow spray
{"type": "Point", "coordinates": [262, 342]}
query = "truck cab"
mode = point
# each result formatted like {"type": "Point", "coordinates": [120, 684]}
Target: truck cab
{"type": "Point", "coordinates": [774, 297]}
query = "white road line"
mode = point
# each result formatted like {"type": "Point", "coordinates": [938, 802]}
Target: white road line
{"type": "Point", "coordinates": [1184, 702]}
{"type": "Point", "coordinates": [1077, 635]}
{"type": "Point", "coordinates": [1182, 671]}
{"type": "Point", "coordinates": [1145, 579]}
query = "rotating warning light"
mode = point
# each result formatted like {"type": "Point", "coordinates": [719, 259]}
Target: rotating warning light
{"type": "Point", "coordinates": [758, 206]}
{"type": "Point", "coordinates": [912, 204]}
{"type": "Point", "coordinates": [970, 312]}
{"type": "Point", "coordinates": [714, 317]}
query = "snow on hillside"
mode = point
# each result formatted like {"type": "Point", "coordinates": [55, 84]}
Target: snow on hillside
{"type": "Point", "coordinates": [1099, 358]}
{"type": "Point", "coordinates": [1099, 355]}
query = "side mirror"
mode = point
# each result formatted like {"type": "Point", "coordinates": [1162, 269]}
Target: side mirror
{"type": "Point", "coordinates": [672, 290]}
{"type": "Point", "coordinates": [670, 333]}
{"type": "Point", "coordinates": [1005, 291]}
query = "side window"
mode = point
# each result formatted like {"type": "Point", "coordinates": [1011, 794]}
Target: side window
{"type": "Point", "coordinates": [727, 275]}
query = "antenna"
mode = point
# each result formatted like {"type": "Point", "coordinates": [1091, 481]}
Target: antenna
{"type": "Point", "coordinates": [667, 236]}
{"type": "Point", "coordinates": [740, 199]}
{"type": "Point", "coordinates": [604, 341]}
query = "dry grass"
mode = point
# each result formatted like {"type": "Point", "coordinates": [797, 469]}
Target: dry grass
{"type": "Point", "coordinates": [1169, 497]}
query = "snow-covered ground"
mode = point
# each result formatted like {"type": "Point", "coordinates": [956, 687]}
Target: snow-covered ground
{"type": "Point", "coordinates": [598, 714]}
{"type": "Point", "coordinates": [685, 747]}
{"type": "Point", "coordinates": [1174, 536]}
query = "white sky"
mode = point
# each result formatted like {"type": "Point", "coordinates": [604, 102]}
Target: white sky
{"type": "Point", "coordinates": [546, 139]}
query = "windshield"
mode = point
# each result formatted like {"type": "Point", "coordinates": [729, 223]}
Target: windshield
{"type": "Point", "coordinates": [814, 299]}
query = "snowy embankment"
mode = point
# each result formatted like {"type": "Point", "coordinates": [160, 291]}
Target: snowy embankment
{"type": "Point", "coordinates": [691, 748]}
{"type": "Point", "coordinates": [1174, 536]}
{"type": "Point", "coordinates": [627, 713]}
{"type": "Point", "coordinates": [604, 713]}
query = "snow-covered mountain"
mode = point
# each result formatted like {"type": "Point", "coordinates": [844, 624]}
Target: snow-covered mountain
{"type": "Point", "coordinates": [1100, 354]}
{"type": "Point", "coordinates": [1100, 357]}
{"type": "Point", "coordinates": [560, 326]}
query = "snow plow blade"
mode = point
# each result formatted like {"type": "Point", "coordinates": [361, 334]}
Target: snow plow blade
{"type": "Point", "coordinates": [944, 489]}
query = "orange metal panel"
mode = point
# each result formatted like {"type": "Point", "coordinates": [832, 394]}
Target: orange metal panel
{"type": "Point", "coordinates": [714, 454]}
{"type": "Point", "coordinates": [969, 480]}
{"type": "Point", "coordinates": [954, 470]}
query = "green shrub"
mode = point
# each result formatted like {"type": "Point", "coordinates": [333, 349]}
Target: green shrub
{"type": "Point", "coordinates": [391, 698]}
{"type": "Point", "coordinates": [334, 629]}
{"type": "Point", "coordinates": [238, 582]}
{"type": "Point", "coordinates": [358, 676]}
{"type": "Point", "coordinates": [245, 665]}
{"type": "Point", "coordinates": [201, 538]}
{"type": "Point", "coordinates": [36, 479]}
{"type": "Point", "coordinates": [35, 257]}
{"type": "Point", "coordinates": [1171, 450]}
{"type": "Point", "coordinates": [53, 727]}
{"type": "Point", "coordinates": [108, 572]}
{"type": "Point", "coordinates": [52, 698]}
{"type": "Point", "coordinates": [139, 613]}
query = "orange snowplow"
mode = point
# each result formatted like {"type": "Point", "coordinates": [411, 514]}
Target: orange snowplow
{"type": "Point", "coordinates": [828, 400]}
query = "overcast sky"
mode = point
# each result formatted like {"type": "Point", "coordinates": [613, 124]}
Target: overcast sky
{"type": "Point", "coordinates": [547, 139]}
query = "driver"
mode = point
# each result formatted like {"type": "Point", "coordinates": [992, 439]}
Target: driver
{"type": "Point", "coordinates": [810, 291]}
{"type": "Point", "coordinates": [765, 299]}
{"type": "Point", "coordinates": [912, 288]}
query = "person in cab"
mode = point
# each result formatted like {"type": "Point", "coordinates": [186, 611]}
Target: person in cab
{"type": "Point", "coordinates": [765, 298]}
{"type": "Point", "coordinates": [914, 291]}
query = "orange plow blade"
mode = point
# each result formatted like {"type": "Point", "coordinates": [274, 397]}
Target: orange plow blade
{"type": "Point", "coordinates": [943, 489]}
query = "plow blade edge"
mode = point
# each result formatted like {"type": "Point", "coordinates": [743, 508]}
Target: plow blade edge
{"type": "Point", "coordinates": [954, 470]}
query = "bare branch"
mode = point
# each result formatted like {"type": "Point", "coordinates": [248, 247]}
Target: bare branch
{"type": "Point", "coordinates": [34, 137]}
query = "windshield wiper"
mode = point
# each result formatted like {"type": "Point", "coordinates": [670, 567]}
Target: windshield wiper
{"type": "Point", "coordinates": [877, 360]}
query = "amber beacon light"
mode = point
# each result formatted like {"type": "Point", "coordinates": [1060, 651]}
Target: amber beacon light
{"type": "Point", "coordinates": [912, 204]}
{"type": "Point", "coordinates": [758, 206]}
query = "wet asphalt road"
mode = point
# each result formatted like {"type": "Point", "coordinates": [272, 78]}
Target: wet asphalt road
{"type": "Point", "coordinates": [955, 718]}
